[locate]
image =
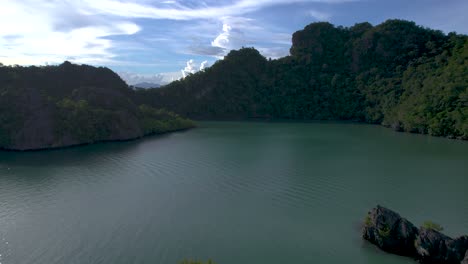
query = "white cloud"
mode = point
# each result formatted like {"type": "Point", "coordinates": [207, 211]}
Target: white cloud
{"type": "Point", "coordinates": [189, 69]}
{"type": "Point", "coordinates": [192, 68]}
{"type": "Point", "coordinates": [142, 10]}
{"type": "Point", "coordinates": [238, 32]}
{"type": "Point", "coordinates": [33, 33]}
{"type": "Point", "coordinates": [203, 65]}
{"type": "Point", "coordinates": [222, 40]}
{"type": "Point", "coordinates": [83, 31]}
{"type": "Point", "coordinates": [231, 37]}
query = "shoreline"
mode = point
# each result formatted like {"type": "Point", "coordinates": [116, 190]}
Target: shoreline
{"type": "Point", "coordinates": [306, 121]}
{"type": "Point", "coordinates": [46, 149]}
{"type": "Point", "coordinates": [252, 120]}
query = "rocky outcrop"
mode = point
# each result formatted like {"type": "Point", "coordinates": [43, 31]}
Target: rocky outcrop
{"type": "Point", "coordinates": [390, 232]}
{"type": "Point", "coordinates": [435, 247]}
{"type": "Point", "coordinates": [465, 260]}
{"type": "Point", "coordinates": [395, 234]}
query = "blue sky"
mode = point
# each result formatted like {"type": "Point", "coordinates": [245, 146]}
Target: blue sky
{"type": "Point", "coordinates": [160, 40]}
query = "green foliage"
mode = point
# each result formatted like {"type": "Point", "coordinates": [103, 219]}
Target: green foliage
{"type": "Point", "coordinates": [11, 118]}
{"type": "Point", "coordinates": [83, 122]}
{"type": "Point", "coordinates": [72, 104]}
{"type": "Point", "coordinates": [384, 231]}
{"type": "Point", "coordinates": [433, 226]}
{"type": "Point", "coordinates": [156, 121]}
{"type": "Point", "coordinates": [435, 97]}
{"type": "Point", "coordinates": [368, 220]}
{"type": "Point", "coordinates": [397, 74]}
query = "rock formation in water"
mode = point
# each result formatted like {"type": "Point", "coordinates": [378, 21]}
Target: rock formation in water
{"type": "Point", "coordinates": [395, 234]}
{"type": "Point", "coordinates": [389, 231]}
{"type": "Point", "coordinates": [434, 247]}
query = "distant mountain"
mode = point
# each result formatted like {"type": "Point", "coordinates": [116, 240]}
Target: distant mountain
{"type": "Point", "coordinates": [146, 85]}
{"type": "Point", "coordinates": [143, 80]}
{"type": "Point", "coordinates": [397, 74]}
{"type": "Point", "coordinates": [65, 105]}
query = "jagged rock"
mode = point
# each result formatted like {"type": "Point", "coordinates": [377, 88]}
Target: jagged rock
{"type": "Point", "coordinates": [393, 233]}
{"type": "Point", "coordinates": [432, 246]}
{"type": "Point", "coordinates": [460, 247]}
{"type": "Point", "coordinates": [390, 232]}
{"type": "Point", "coordinates": [465, 260]}
{"type": "Point", "coordinates": [435, 247]}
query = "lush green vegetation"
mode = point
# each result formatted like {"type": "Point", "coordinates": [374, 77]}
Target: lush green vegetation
{"type": "Point", "coordinates": [156, 121]}
{"type": "Point", "coordinates": [397, 74]}
{"type": "Point", "coordinates": [435, 99]}
{"type": "Point", "coordinates": [433, 226]}
{"type": "Point", "coordinates": [53, 106]}
{"type": "Point", "coordinates": [368, 220]}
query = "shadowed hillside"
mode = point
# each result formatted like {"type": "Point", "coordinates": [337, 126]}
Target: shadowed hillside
{"type": "Point", "coordinates": [57, 106]}
{"type": "Point", "coordinates": [397, 74]}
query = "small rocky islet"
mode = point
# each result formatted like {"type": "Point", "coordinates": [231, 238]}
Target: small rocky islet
{"type": "Point", "coordinates": [394, 234]}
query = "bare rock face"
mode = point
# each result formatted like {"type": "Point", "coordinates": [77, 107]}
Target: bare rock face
{"type": "Point", "coordinates": [465, 260]}
{"type": "Point", "coordinates": [435, 247]}
{"type": "Point", "coordinates": [390, 232]}
{"type": "Point", "coordinates": [459, 247]}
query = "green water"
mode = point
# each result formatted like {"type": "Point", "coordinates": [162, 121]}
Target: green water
{"type": "Point", "coordinates": [234, 192]}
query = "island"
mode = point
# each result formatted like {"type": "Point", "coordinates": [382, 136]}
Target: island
{"type": "Point", "coordinates": [66, 105]}
{"type": "Point", "coordinates": [396, 74]}
{"type": "Point", "coordinates": [395, 234]}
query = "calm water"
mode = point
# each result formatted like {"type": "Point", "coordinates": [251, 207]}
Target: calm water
{"type": "Point", "coordinates": [235, 192]}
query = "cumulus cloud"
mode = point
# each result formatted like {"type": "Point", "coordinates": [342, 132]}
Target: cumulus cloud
{"type": "Point", "coordinates": [108, 32]}
{"type": "Point", "coordinates": [231, 37]}
{"type": "Point", "coordinates": [189, 69]}
{"type": "Point", "coordinates": [203, 65]}
{"type": "Point", "coordinates": [222, 40]}
{"type": "Point", "coordinates": [238, 32]}
{"type": "Point", "coordinates": [192, 68]}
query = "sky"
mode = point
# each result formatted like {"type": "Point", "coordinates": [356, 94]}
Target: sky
{"type": "Point", "coordinates": [162, 40]}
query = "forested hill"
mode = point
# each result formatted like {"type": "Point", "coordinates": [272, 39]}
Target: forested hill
{"type": "Point", "coordinates": [397, 74]}
{"type": "Point", "coordinates": [57, 106]}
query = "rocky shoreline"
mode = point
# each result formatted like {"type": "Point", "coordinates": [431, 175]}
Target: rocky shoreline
{"type": "Point", "coordinates": [394, 234]}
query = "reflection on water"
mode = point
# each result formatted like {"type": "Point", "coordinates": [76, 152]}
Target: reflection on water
{"type": "Point", "coordinates": [233, 192]}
